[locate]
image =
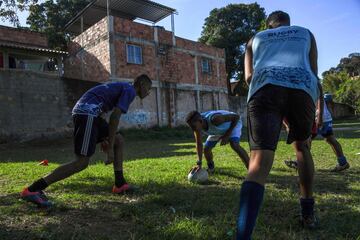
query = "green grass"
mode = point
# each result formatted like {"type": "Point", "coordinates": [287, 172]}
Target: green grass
{"type": "Point", "coordinates": [167, 206]}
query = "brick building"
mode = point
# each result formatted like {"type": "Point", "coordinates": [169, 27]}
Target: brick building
{"type": "Point", "coordinates": [109, 45]}
{"type": "Point", "coordinates": [27, 50]}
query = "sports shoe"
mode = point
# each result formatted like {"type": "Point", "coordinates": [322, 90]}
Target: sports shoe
{"type": "Point", "coordinates": [38, 198]}
{"type": "Point", "coordinates": [291, 164]}
{"type": "Point", "coordinates": [211, 167]}
{"type": "Point", "coordinates": [308, 221]}
{"type": "Point", "coordinates": [340, 168]}
{"type": "Point", "coordinates": [125, 188]}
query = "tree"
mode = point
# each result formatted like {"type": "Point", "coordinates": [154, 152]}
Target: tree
{"type": "Point", "coordinates": [10, 8]}
{"type": "Point", "coordinates": [51, 17]}
{"type": "Point", "coordinates": [231, 27]}
{"type": "Point", "coordinates": [344, 88]}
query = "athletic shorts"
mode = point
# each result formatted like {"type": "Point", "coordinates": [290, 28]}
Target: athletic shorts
{"type": "Point", "coordinates": [88, 131]}
{"type": "Point", "coordinates": [235, 135]}
{"type": "Point", "coordinates": [326, 130]}
{"type": "Point", "coordinates": [269, 106]}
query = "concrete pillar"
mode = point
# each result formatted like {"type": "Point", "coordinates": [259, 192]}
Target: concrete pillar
{"type": "Point", "coordinates": [60, 65]}
{"type": "Point", "coordinates": [158, 88]}
{"type": "Point", "coordinates": [198, 104]}
{"type": "Point", "coordinates": [6, 59]}
{"type": "Point", "coordinates": [112, 52]}
{"type": "Point", "coordinates": [173, 29]}
{"type": "Point", "coordinates": [82, 47]}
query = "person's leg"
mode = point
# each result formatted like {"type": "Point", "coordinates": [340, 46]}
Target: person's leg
{"type": "Point", "coordinates": [210, 143]}
{"type": "Point", "coordinates": [252, 191]}
{"type": "Point", "coordinates": [301, 117]}
{"type": "Point", "coordinates": [235, 145]}
{"type": "Point", "coordinates": [335, 145]}
{"type": "Point", "coordinates": [67, 169]}
{"type": "Point", "coordinates": [209, 157]}
{"type": "Point", "coordinates": [85, 135]}
{"type": "Point", "coordinates": [118, 160]}
{"type": "Point", "coordinates": [265, 114]}
{"type": "Point", "coordinates": [342, 161]}
{"type": "Point", "coordinates": [305, 168]}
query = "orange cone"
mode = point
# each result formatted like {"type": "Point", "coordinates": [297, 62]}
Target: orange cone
{"type": "Point", "coordinates": [44, 162]}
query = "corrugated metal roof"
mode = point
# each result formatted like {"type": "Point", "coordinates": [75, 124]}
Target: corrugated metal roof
{"type": "Point", "coordinates": [33, 48]}
{"type": "Point", "coordinates": [129, 9]}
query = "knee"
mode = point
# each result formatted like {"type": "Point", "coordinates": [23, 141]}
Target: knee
{"type": "Point", "coordinates": [234, 145]}
{"type": "Point", "coordinates": [119, 140]}
{"type": "Point", "coordinates": [81, 163]}
{"type": "Point", "coordinates": [207, 149]}
{"type": "Point", "coordinates": [302, 146]}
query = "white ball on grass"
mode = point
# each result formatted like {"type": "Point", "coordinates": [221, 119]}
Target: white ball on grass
{"type": "Point", "coordinates": [200, 176]}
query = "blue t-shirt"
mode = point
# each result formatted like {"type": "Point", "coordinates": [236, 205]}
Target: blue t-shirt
{"type": "Point", "coordinates": [104, 98]}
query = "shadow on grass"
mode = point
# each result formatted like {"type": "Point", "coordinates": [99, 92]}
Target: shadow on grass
{"type": "Point", "coordinates": [62, 151]}
{"type": "Point", "coordinates": [174, 211]}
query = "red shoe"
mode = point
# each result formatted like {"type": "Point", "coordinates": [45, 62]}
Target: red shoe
{"type": "Point", "coordinates": [125, 188]}
{"type": "Point", "coordinates": [37, 198]}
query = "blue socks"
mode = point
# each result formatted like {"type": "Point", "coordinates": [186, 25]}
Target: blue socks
{"type": "Point", "coordinates": [342, 160]}
{"type": "Point", "coordinates": [251, 196]}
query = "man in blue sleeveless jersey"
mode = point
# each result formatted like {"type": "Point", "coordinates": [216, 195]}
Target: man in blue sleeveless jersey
{"type": "Point", "coordinates": [281, 70]}
{"type": "Point", "coordinates": [89, 129]}
{"type": "Point", "coordinates": [221, 126]}
{"type": "Point", "coordinates": [326, 131]}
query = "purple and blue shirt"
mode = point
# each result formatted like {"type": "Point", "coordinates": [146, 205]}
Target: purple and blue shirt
{"type": "Point", "coordinates": [103, 98]}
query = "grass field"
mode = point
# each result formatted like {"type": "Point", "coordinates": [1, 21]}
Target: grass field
{"type": "Point", "coordinates": [167, 206]}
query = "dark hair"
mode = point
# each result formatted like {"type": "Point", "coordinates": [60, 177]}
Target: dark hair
{"type": "Point", "coordinates": [142, 79]}
{"type": "Point", "coordinates": [192, 116]}
{"type": "Point", "coordinates": [278, 17]}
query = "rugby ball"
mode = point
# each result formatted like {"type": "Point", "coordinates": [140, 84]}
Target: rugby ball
{"type": "Point", "coordinates": [200, 176]}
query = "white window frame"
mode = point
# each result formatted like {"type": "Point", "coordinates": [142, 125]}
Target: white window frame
{"type": "Point", "coordinates": [208, 68]}
{"type": "Point", "coordinates": [133, 59]}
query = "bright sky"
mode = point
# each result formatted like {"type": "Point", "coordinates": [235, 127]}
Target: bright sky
{"type": "Point", "coordinates": [334, 23]}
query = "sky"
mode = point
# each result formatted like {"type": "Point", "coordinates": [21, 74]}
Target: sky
{"type": "Point", "coordinates": [334, 23]}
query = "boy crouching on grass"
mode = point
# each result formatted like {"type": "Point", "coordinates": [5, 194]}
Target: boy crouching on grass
{"type": "Point", "coordinates": [89, 129]}
{"type": "Point", "coordinates": [221, 126]}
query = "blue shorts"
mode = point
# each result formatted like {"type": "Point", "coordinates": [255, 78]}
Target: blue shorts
{"type": "Point", "coordinates": [235, 135]}
{"type": "Point", "coordinates": [326, 129]}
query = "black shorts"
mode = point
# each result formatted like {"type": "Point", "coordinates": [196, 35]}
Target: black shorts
{"type": "Point", "coordinates": [88, 131]}
{"type": "Point", "coordinates": [269, 106]}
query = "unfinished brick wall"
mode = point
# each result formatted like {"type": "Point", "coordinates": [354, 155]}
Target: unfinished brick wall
{"type": "Point", "coordinates": [89, 57]}
{"type": "Point", "coordinates": [23, 36]}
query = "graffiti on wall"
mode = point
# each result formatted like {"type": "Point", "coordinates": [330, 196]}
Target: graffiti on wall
{"type": "Point", "coordinates": [138, 117]}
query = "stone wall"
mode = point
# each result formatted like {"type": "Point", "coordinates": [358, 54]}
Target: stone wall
{"type": "Point", "coordinates": [34, 105]}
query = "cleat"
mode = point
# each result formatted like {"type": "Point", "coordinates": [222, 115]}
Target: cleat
{"type": "Point", "coordinates": [340, 168]}
{"type": "Point", "coordinates": [38, 198]}
{"type": "Point", "coordinates": [291, 164]}
{"type": "Point", "coordinates": [125, 188]}
{"type": "Point", "coordinates": [308, 221]}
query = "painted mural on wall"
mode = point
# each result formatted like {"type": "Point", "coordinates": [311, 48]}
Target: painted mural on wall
{"type": "Point", "coordinates": [137, 117]}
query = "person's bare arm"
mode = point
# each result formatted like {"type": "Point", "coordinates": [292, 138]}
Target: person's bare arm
{"type": "Point", "coordinates": [248, 62]}
{"type": "Point", "coordinates": [199, 150]}
{"type": "Point", "coordinates": [219, 119]}
{"type": "Point", "coordinates": [113, 125]}
{"type": "Point", "coordinates": [313, 55]}
{"type": "Point", "coordinates": [320, 107]}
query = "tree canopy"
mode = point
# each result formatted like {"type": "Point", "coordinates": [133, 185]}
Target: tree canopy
{"type": "Point", "coordinates": [231, 27]}
{"type": "Point", "coordinates": [10, 8]}
{"type": "Point", "coordinates": [50, 17]}
{"type": "Point", "coordinates": [343, 81]}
